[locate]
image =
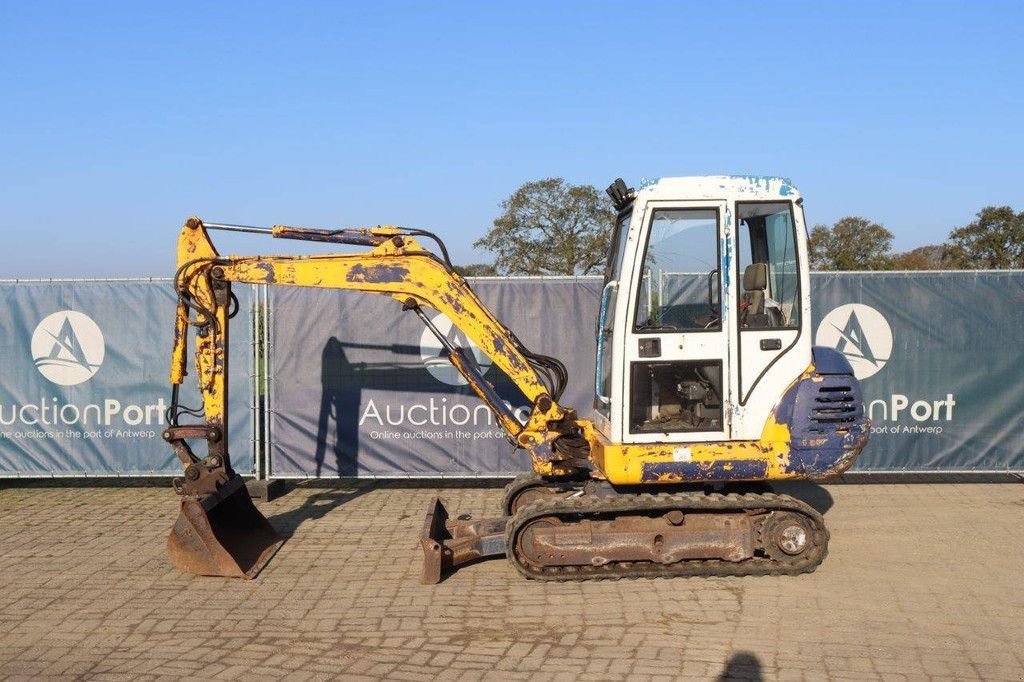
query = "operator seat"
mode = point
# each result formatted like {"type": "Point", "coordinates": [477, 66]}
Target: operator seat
{"type": "Point", "coordinates": [753, 313]}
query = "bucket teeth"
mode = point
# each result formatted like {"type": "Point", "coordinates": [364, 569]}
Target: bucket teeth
{"type": "Point", "coordinates": [222, 536]}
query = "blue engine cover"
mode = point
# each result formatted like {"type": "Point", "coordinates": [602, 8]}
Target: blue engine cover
{"type": "Point", "coordinates": [830, 361]}
{"type": "Point", "coordinates": [826, 419]}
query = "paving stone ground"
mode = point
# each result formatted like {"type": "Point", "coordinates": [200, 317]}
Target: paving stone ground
{"type": "Point", "coordinates": [923, 581]}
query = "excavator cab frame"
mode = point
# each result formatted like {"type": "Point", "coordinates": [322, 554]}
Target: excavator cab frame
{"type": "Point", "coordinates": [678, 306]}
{"type": "Point", "coordinates": [584, 512]}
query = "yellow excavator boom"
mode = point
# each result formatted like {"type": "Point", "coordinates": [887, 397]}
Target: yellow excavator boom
{"type": "Point", "coordinates": [397, 266]}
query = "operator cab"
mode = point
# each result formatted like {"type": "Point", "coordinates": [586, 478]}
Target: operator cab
{"type": "Point", "coordinates": [705, 309]}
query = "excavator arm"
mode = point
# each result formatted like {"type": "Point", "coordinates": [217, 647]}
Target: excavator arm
{"type": "Point", "coordinates": [398, 266]}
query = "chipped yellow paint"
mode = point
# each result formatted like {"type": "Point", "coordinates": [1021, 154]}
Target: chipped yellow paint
{"type": "Point", "coordinates": [623, 464]}
{"type": "Point", "coordinates": [400, 268]}
{"type": "Point", "coordinates": [179, 362]}
{"type": "Point", "coordinates": [194, 249]}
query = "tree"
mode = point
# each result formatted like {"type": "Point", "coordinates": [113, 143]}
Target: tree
{"type": "Point", "coordinates": [476, 270]}
{"type": "Point", "coordinates": [931, 257]}
{"type": "Point", "coordinates": [995, 240]}
{"type": "Point", "coordinates": [852, 243]}
{"type": "Point", "coordinates": [550, 227]}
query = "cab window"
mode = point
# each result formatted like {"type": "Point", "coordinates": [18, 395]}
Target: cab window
{"type": "Point", "coordinates": [680, 281]}
{"type": "Point", "coordinates": [768, 269]}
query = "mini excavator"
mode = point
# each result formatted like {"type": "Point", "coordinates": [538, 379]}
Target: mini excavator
{"type": "Point", "coordinates": [706, 389]}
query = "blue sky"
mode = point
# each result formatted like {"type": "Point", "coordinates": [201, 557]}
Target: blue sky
{"type": "Point", "coordinates": [118, 120]}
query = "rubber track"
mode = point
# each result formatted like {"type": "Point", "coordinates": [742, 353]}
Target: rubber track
{"type": "Point", "coordinates": [519, 484]}
{"type": "Point", "coordinates": [687, 502]}
{"type": "Point", "coordinates": [528, 481]}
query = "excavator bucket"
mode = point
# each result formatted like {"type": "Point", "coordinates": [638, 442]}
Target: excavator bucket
{"type": "Point", "coordinates": [223, 535]}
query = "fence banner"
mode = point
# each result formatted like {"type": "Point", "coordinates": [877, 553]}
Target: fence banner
{"type": "Point", "coordinates": [938, 356]}
{"type": "Point", "coordinates": [83, 385]}
{"type": "Point", "coordinates": [359, 388]}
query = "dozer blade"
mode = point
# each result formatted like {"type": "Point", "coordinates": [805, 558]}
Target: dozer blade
{"type": "Point", "coordinates": [447, 544]}
{"type": "Point", "coordinates": [222, 534]}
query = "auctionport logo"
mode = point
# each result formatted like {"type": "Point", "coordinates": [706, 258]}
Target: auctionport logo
{"type": "Point", "coordinates": [68, 348]}
{"type": "Point", "coordinates": [859, 332]}
{"type": "Point", "coordinates": [434, 356]}
{"type": "Point", "coordinates": [437, 418]}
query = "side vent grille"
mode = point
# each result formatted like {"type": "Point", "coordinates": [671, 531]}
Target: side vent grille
{"type": "Point", "coordinates": [834, 405]}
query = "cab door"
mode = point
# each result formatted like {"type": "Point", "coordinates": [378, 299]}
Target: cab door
{"type": "Point", "coordinates": [676, 355]}
{"type": "Point", "coordinates": [772, 306]}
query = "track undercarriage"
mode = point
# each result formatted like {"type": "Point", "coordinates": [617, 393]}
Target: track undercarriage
{"type": "Point", "coordinates": [582, 530]}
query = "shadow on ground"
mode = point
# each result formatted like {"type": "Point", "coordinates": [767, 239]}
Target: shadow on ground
{"type": "Point", "coordinates": [316, 506]}
{"type": "Point", "coordinates": [337, 492]}
{"type": "Point", "coordinates": [813, 494]}
{"type": "Point", "coordinates": [742, 665]}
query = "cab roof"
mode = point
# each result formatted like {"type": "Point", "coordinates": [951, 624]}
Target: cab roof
{"type": "Point", "coordinates": [720, 187]}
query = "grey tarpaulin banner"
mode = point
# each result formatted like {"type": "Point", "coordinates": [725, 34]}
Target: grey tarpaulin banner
{"type": "Point", "coordinates": [939, 358]}
{"type": "Point", "coordinates": [359, 389]}
{"type": "Point", "coordinates": [83, 384]}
